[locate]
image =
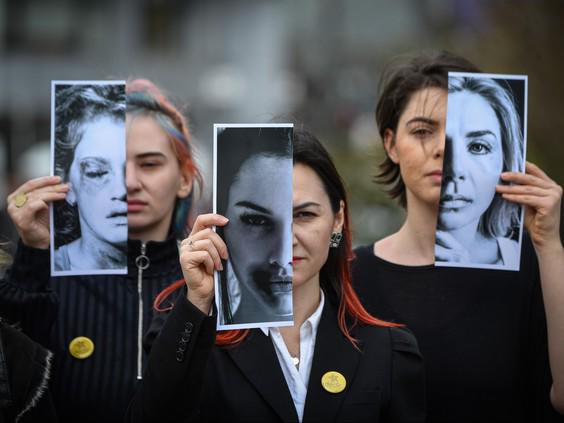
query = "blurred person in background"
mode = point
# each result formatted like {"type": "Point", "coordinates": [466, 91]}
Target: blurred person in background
{"type": "Point", "coordinates": [94, 324]}
{"type": "Point", "coordinates": [494, 350]}
{"type": "Point", "coordinates": [25, 369]}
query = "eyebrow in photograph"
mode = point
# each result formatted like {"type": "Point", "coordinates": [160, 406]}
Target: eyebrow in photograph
{"type": "Point", "coordinates": [306, 205]}
{"type": "Point", "coordinates": [253, 206]}
{"type": "Point", "coordinates": [92, 161]}
{"type": "Point", "coordinates": [478, 134]}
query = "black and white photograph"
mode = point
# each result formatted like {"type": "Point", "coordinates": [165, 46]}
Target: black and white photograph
{"type": "Point", "coordinates": [253, 189]}
{"type": "Point", "coordinates": [89, 228]}
{"type": "Point", "coordinates": [486, 129]}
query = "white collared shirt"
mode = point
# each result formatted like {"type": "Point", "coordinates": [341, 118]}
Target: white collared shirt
{"type": "Point", "coordinates": [297, 378]}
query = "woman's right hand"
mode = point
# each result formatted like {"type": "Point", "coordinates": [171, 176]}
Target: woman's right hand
{"type": "Point", "coordinates": [31, 217]}
{"type": "Point", "coordinates": [200, 255]}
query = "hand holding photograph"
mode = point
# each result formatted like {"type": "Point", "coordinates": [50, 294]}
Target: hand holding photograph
{"type": "Point", "coordinates": [253, 189]}
{"type": "Point", "coordinates": [89, 229]}
{"type": "Point", "coordinates": [485, 136]}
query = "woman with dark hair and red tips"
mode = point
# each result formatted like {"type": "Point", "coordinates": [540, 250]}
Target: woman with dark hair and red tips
{"type": "Point", "coordinates": [488, 354]}
{"type": "Point", "coordinates": [337, 363]}
{"type": "Point", "coordinates": [95, 324]}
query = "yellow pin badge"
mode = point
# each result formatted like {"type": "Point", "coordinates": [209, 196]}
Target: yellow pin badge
{"type": "Point", "coordinates": [333, 382]}
{"type": "Point", "coordinates": [81, 347]}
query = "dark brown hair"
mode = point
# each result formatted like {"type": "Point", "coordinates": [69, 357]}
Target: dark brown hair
{"type": "Point", "coordinates": [400, 80]}
{"type": "Point", "coordinates": [335, 275]}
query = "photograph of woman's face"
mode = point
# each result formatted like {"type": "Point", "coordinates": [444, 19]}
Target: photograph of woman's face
{"type": "Point", "coordinates": [473, 160]}
{"type": "Point", "coordinates": [259, 232]}
{"type": "Point", "coordinates": [97, 178]}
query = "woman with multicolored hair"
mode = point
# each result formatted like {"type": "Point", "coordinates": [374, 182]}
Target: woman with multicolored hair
{"type": "Point", "coordinates": [336, 363]}
{"type": "Point", "coordinates": [95, 324]}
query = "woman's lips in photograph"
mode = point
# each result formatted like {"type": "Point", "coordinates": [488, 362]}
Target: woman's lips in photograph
{"type": "Point", "coordinates": [453, 202]}
{"type": "Point", "coordinates": [134, 206]}
{"type": "Point", "coordinates": [281, 285]}
{"type": "Point", "coordinates": [118, 216]}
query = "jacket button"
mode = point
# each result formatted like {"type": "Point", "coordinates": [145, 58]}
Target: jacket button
{"type": "Point", "coordinates": [81, 347]}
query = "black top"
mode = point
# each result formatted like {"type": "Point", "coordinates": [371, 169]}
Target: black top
{"type": "Point", "coordinates": [189, 379]}
{"type": "Point", "coordinates": [104, 308]}
{"type": "Point", "coordinates": [482, 334]}
{"type": "Point", "coordinates": [25, 367]}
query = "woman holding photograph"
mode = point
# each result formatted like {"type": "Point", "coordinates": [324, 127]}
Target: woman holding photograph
{"type": "Point", "coordinates": [256, 285]}
{"type": "Point", "coordinates": [91, 226]}
{"type": "Point", "coordinates": [483, 332]}
{"type": "Point", "coordinates": [337, 363]}
{"type": "Point", "coordinates": [483, 139]}
{"type": "Point", "coordinates": [94, 324]}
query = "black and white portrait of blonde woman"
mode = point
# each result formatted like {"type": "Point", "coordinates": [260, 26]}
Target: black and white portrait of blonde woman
{"type": "Point", "coordinates": [254, 191]}
{"type": "Point", "coordinates": [485, 129]}
{"type": "Point", "coordinates": [90, 227]}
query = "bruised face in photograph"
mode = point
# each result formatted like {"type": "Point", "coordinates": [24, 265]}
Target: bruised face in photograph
{"type": "Point", "coordinates": [259, 233]}
{"type": "Point", "coordinates": [97, 178]}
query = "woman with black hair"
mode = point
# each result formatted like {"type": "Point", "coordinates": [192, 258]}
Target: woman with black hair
{"type": "Point", "coordinates": [337, 363]}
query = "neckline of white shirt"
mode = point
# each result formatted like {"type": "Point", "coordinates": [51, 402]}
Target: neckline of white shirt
{"type": "Point", "coordinates": [314, 319]}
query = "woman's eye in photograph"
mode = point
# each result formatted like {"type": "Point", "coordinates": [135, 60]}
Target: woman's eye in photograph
{"type": "Point", "coordinates": [96, 174]}
{"type": "Point", "coordinates": [256, 220]}
{"type": "Point", "coordinates": [94, 170]}
{"type": "Point", "coordinates": [479, 147]}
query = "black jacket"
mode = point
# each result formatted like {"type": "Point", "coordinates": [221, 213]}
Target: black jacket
{"type": "Point", "coordinates": [104, 308]}
{"type": "Point", "coordinates": [385, 382]}
{"type": "Point", "coordinates": [25, 368]}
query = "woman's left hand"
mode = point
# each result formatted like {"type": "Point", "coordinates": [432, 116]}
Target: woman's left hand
{"type": "Point", "coordinates": [541, 197]}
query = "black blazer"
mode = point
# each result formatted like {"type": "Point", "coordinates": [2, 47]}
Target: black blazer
{"type": "Point", "coordinates": [188, 378]}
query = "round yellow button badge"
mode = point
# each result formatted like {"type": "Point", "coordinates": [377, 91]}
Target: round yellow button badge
{"type": "Point", "coordinates": [81, 347]}
{"type": "Point", "coordinates": [333, 382]}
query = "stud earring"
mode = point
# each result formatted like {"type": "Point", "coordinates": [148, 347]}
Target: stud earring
{"type": "Point", "coordinates": [335, 239]}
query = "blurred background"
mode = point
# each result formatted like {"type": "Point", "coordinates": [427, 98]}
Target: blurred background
{"type": "Point", "coordinates": [248, 61]}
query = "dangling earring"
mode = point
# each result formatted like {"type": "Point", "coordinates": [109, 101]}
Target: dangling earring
{"type": "Point", "coordinates": [335, 239]}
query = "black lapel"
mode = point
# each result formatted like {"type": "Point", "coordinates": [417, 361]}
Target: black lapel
{"type": "Point", "coordinates": [333, 352]}
{"type": "Point", "coordinates": [259, 363]}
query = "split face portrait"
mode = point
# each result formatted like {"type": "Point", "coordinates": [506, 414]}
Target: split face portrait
{"type": "Point", "coordinates": [253, 167]}
{"type": "Point", "coordinates": [89, 228]}
{"type": "Point", "coordinates": [485, 136]}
